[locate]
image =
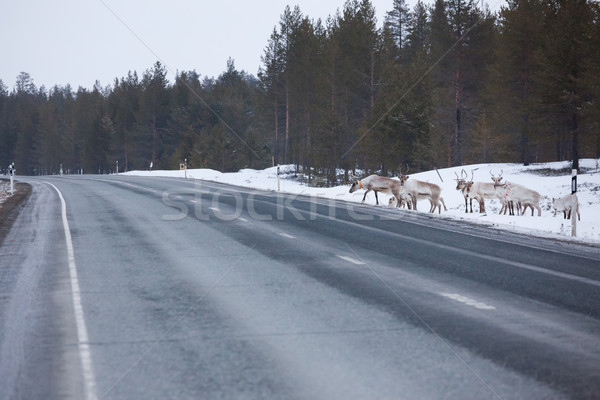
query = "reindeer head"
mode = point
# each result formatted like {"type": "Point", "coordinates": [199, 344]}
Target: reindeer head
{"type": "Point", "coordinates": [467, 189]}
{"type": "Point", "coordinates": [355, 183]}
{"type": "Point", "coordinates": [402, 175]}
{"type": "Point", "coordinates": [497, 180]}
{"type": "Point", "coordinates": [462, 180]}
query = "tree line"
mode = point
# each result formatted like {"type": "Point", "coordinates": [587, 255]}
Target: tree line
{"type": "Point", "coordinates": [438, 85]}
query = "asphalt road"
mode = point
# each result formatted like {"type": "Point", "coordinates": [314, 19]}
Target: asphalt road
{"type": "Point", "coordinates": [180, 289]}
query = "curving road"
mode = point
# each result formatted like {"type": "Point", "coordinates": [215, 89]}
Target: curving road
{"type": "Point", "coordinates": [167, 288]}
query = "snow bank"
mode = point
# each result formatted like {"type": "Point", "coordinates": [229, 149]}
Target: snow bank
{"type": "Point", "coordinates": [551, 180]}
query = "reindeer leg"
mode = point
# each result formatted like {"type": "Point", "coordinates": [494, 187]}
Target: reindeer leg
{"type": "Point", "coordinates": [365, 196]}
{"type": "Point", "coordinates": [376, 199]}
{"type": "Point", "coordinates": [399, 203]}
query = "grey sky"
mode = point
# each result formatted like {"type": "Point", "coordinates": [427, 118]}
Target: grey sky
{"type": "Point", "coordinates": [81, 41]}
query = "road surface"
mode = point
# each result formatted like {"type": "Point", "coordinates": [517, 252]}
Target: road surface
{"type": "Point", "coordinates": [170, 288]}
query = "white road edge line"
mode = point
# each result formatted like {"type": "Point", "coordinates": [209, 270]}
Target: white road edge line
{"type": "Point", "coordinates": [468, 301]}
{"type": "Point", "coordinates": [350, 259]}
{"type": "Point", "coordinates": [85, 355]}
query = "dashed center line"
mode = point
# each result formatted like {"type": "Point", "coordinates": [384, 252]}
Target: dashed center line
{"type": "Point", "coordinates": [468, 301]}
{"type": "Point", "coordinates": [285, 235]}
{"type": "Point", "coordinates": [350, 259]}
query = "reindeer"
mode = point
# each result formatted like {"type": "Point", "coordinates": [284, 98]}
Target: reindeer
{"type": "Point", "coordinates": [407, 199]}
{"type": "Point", "coordinates": [523, 196]}
{"type": "Point", "coordinates": [504, 195]}
{"type": "Point", "coordinates": [461, 183]}
{"type": "Point", "coordinates": [567, 203]}
{"type": "Point", "coordinates": [377, 183]}
{"type": "Point", "coordinates": [419, 190]}
{"type": "Point", "coordinates": [479, 191]}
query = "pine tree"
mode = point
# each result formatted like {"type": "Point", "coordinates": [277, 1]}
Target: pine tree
{"type": "Point", "coordinates": [270, 76]}
{"type": "Point", "coordinates": [570, 26]}
{"type": "Point", "coordinates": [123, 107]}
{"type": "Point", "coordinates": [5, 139]}
{"type": "Point", "coordinates": [515, 83]}
{"type": "Point", "coordinates": [354, 40]}
{"type": "Point", "coordinates": [417, 38]}
{"type": "Point", "coordinates": [397, 21]}
{"type": "Point", "coordinates": [27, 124]}
{"type": "Point", "coordinates": [458, 12]}
{"type": "Point", "coordinates": [443, 117]}
{"type": "Point", "coordinates": [154, 113]}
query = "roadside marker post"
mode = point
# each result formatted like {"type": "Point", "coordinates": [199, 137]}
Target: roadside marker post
{"type": "Point", "coordinates": [573, 211]}
{"type": "Point", "coordinates": [11, 172]}
{"type": "Point", "coordinates": [278, 184]}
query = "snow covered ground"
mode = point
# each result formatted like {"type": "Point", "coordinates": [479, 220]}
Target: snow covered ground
{"type": "Point", "coordinates": [4, 190]}
{"type": "Point", "coordinates": [549, 179]}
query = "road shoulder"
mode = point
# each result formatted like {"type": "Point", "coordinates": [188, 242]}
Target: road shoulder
{"type": "Point", "coordinates": [12, 206]}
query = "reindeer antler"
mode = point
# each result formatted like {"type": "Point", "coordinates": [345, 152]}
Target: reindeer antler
{"type": "Point", "coordinates": [463, 174]}
{"type": "Point", "coordinates": [400, 170]}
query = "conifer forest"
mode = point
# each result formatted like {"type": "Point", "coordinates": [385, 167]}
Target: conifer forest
{"type": "Point", "coordinates": [441, 84]}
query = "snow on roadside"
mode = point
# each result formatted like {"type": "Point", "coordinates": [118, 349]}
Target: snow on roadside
{"type": "Point", "coordinates": [551, 180]}
{"type": "Point", "coordinates": [4, 191]}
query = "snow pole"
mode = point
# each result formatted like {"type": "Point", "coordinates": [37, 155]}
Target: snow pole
{"type": "Point", "coordinates": [11, 172]}
{"type": "Point", "coordinates": [573, 206]}
{"type": "Point", "coordinates": [438, 172]}
{"type": "Point", "coordinates": [278, 184]}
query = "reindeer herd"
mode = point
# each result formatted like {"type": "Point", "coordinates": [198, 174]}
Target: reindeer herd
{"type": "Point", "coordinates": [407, 192]}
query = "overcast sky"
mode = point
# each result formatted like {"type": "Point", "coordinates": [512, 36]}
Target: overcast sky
{"type": "Point", "coordinates": [81, 41]}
